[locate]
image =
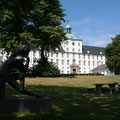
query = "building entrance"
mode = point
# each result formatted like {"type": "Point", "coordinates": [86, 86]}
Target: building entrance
{"type": "Point", "coordinates": [74, 71]}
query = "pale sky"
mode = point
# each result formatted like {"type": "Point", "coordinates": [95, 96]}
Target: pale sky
{"type": "Point", "coordinates": [93, 21]}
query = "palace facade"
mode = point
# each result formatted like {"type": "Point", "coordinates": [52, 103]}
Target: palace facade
{"type": "Point", "coordinates": [74, 58]}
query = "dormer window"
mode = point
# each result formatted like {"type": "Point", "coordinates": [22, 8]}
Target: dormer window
{"type": "Point", "coordinates": [88, 51]}
{"type": "Point", "coordinates": [73, 43]}
{"type": "Point", "coordinates": [101, 53]}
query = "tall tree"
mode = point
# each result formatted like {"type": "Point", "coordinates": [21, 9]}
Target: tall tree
{"type": "Point", "coordinates": [112, 52]}
{"type": "Point", "coordinates": [33, 22]}
{"type": "Point", "coordinates": [14, 19]}
{"type": "Point", "coordinates": [46, 27]}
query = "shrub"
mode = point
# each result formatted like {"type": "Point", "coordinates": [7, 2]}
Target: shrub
{"type": "Point", "coordinates": [45, 69]}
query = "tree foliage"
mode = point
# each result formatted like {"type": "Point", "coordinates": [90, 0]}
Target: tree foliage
{"type": "Point", "coordinates": [46, 27]}
{"type": "Point", "coordinates": [47, 70]}
{"type": "Point", "coordinates": [112, 52]}
{"type": "Point", "coordinates": [33, 22]}
{"type": "Point", "coordinates": [14, 18]}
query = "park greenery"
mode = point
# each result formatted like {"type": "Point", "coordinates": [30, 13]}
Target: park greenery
{"type": "Point", "coordinates": [36, 23]}
{"type": "Point", "coordinates": [49, 69]}
{"type": "Point", "coordinates": [112, 52]}
{"type": "Point", "coordinates": [70, 99]}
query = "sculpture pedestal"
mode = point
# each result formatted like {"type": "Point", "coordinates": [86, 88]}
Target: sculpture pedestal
{"type": "Point", "coordinates": [25, 104]}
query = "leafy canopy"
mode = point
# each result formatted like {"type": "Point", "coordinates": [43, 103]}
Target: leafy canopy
{"type": "Point", "coordinates": [112, 52]}
{"type": "Point", "coordinates": [14, 18]}
{"type": "Point", "coordinates": [33, 22]}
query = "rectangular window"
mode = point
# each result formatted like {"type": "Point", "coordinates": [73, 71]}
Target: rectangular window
{"type": "Point", "coordinates": [51, 54]}
{"type": "Point", "coordinates": [83, 56]}
{"type": "Point", "coordinates": [57, 61]}
{"type": "Point", "coordinates": [73, 49]}
{"type": "Point", "coordinates": [89, 63]}
{"type": "Point", "coordinates": [67, 55]}
{"type": "Point", "coordinates": [97, 57]}
{"type": "Point", "coordinates": [88, 56]}
{"type": "Point", "coordinates": [67, 49]}
{"type": "Point", "coordinates": [51, 60]}
{"type": "Point", "coordinates": [62, 62]}
{"type": "Point", "coordinates": [67, 62]}
{"type": "Point", "coordinates": [74, 61]}
{"type": "Point", "coordinates": [56, 54]}
{"type": "Point", "coordinates": [62, 55]}
{"type": "Point", "coordinates": [97, 63]}
{"type": "Point", "coordinates": [84, 62]}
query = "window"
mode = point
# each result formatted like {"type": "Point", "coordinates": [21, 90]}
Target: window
{"type": "Point", "coordinates": [62, 55]}
{"type": "Point", "coordinates": [78, 50]}
{"type": "Point", "coordinates": [88, 56]}
{"type": "Point", "coordinates": [56, 54]}
{"type": "Point", "coordinates": [88, 51]}
{"type": "Point", "coordinates": [97, 57]}
{"type": "Point", "coordinates": [74, 61]}
{"type": "Point", "coordinates": [51, 60]}
{"type": "Point", "coordinates": [98, 63]}
{"type": "Point", "coordinates": [78, 44]}
{"type": "Point", "coordinates": [73, 43]}
{"type": "Point", "coordinates": [84, 62]}
{"type": "Point", "coordinates": [93, 63]}
{"type": "Point", "coordinates": [89, 63]}
{"type": "Point", "coordinates": [62, 62]}
{"type": "Point", "coordinates": [57, 61]}
{"type": "Point", "coordinates": [79, 56]}
{"type": "Point", "coordinates": [67, 62]}
{"type": "Point", "coordinates": [67, 55]}
{"type": "Point", "coordinates": [73, 49]}
{"type": "Point", "coordinates": [51, 54]}
{"type": "Point", "coordinates": [83, 56]}
{"type": "Point", "coordinates": [67, 49]}
{"type": "Point", "coordinates": [79, 62]}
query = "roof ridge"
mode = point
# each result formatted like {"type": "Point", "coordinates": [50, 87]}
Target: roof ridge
{"type": "Point", "coordinates": [92, 46]}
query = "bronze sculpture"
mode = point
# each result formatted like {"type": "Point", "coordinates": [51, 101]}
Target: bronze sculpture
{"type": "Point", "coordinates": [18, 61]}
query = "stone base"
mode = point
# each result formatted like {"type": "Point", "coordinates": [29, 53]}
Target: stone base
{"type": "Point", "coordinates": [25, 104]}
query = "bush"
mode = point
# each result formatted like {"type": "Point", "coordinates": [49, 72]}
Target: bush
{"type": "Point", "coordinates": [44, 69]}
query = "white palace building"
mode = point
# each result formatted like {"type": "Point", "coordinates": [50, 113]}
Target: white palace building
{"type": "Point", "coordinates": [74, 58]}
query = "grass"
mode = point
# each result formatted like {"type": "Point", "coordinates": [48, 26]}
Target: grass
{"type": "Point", "coordinates": [70, 99]}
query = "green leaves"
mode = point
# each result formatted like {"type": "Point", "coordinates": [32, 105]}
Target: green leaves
{"type": "Point", "coordinates": [112, 52]}
{"type": "Point", "coordinates": [37, 25]}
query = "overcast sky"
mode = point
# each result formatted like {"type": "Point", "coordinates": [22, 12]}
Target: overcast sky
{"type": "Point", "coordinates": [93, 21]}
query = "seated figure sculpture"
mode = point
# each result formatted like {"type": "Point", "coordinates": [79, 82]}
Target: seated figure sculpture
{"type": "Point", "coordinates": [19, 61]}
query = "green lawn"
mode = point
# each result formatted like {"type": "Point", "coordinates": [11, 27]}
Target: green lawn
{"type": "Point", "coordinates": [70, 99]}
